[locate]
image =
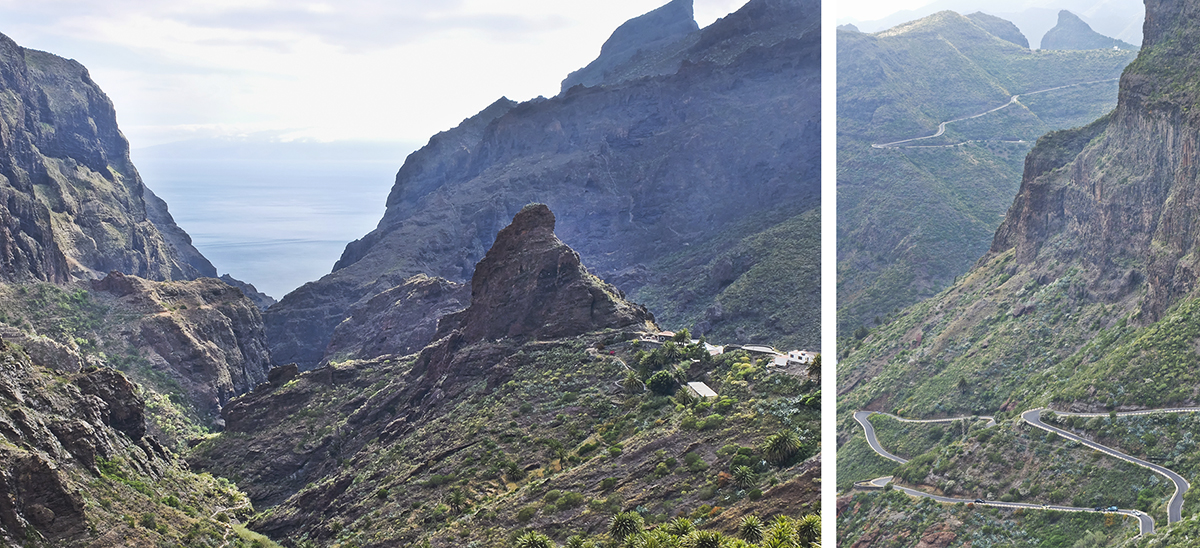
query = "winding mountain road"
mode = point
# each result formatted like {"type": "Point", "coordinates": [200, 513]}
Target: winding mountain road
{"type": "Point", "coordinates": [1175, 506]}
{"type": "Point", "coordinates": [1033, 418]}
{"type": "Point", "coordinates": [1145, 522]}
{"type": "Point", "coordinates": [1011, 101]}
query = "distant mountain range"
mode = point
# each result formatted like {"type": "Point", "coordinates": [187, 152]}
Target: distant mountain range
{"type": "Point", "coordinates": [1121, 19]}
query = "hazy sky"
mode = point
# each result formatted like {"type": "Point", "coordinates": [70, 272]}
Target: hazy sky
{"type": "Point", "coordinates": [868, 10]}
{"type": "Point", "coordinates": [352, 69]}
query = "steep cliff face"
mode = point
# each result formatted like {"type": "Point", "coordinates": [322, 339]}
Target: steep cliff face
{"type": "Point", "coordinates": [634, 171]}
{"type": "Point", "coordinates": [399, 321]}
{"type": "Point", "coordinates": [75, 445]}
{"type": "Point", "coordinates": [1118, 197]}
{"type": "Point", "coordinates": [1071, 32]}
{"type": "Point", "coordinates": [204, 334]}
{"type": "Point", "coordinates": [637, 36]}
{"type": "Point", "coordinates": [71, 204]}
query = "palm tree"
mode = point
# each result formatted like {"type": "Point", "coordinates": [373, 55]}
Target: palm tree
{"type": "Point", "coordinates": [751, 529]}
{"type": "Point", "coordinates": [534, 539]}
{"type": "Point", "coordinates": [680, 526]}
{"type": "Point", "coordinates": [781, 448]}
{"type": "Point", "coordinates": [632, 383]}
{"type": "Point", "coordinates": [808, 530]}
{"type": "Point", "coordinates": [457, 500]}
{"type": "Point", "coordinates": [624, 524]}
{"type": "Point", "coordinates": [783, 530]}
{"type": "Point", "coordinates": [745, 477]}
{"type": "Point", "coordinates": [703, 539]}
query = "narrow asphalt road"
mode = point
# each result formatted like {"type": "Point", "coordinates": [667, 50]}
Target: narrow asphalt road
{"type": "Point", "coordinates": [1174, 507]}
{"type": "Point", "coordinates": [1145, 522]}
{"type": "Point", "coordinates": [1011, 101]}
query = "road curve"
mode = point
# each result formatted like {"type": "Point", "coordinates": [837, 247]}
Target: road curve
{"type": "Point", "coordinates": [863, 418]}
{"type": "Point", "coordinates": [1174, 507]}
{"type": "Point", "coordinates": [1145, 522]}
{"type": "Point", "coordinates": [1011, 101]}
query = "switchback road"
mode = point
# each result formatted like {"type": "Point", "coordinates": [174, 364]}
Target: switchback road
{"type": "Point", "coordinates": [1174, 507]}
{"type": "Point", "coordinates": [1033, 418]}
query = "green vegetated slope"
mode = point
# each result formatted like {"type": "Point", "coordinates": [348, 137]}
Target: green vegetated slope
{"type": "Point", "coordinates": [894, 519]}
{"type": "Point", "coordinates": [760, 283]}
{"type": "Point", "coordinates": [557, 437]}
{"type": "Point", "coordinates": [177, 340]}
{"type": "Point", "coordinates": [912, 219]}
{"type": "Point", "coordinates": [82, 471]}
{"type": "Point", "coordinates": [1086, 301]}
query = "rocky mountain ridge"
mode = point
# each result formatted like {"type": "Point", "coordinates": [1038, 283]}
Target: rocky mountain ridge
{"type": "Point", "coordinates": [74, 206]}
{"type": "Point", "coordinates": [635, 171]}
{"type": "Point", "coordinates": [637, 36]}
{"type": "Point", "coordinates": [1071, 32]}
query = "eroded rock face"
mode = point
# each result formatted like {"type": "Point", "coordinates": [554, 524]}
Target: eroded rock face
{"type": "Point", "coordinates": [1118, 198]}
{"type": "Point", "coordinates": [205, 332]}
{"type": "Point", "coordinates": [55, 430]}
{"type": "Point", "coordinates": [91, 213]}
{"type": "Point", "coordinates": [401, 320]}
{"type": "Point", "coordinates": [530, 285]}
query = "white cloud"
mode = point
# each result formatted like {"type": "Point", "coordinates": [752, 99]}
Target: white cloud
{"type": "Point", "coordinates": [352, 69]}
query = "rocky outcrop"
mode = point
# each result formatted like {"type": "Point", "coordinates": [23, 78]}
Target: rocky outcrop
{"type": "Point", "coordinates": [401, 320]}
{"type": "Point", "coordinates": [1000, 28]}
{"type": "Point", "coordinates": [636, 36]}
{"type": "Point", "coordinates": [203, 333]}
{"type": "Point", "coordinates": [72, 206]}
{"type": "Point", "coordinates": [1118, 198]}
{"type": "Point", "coordinates": [1071, 32]}
{"type": "Point", "coordinates": [530, 285]}
{"type": "Point", "coordinates": [634, 171]}
{"type": "Point", "coordinates": [56, 430]}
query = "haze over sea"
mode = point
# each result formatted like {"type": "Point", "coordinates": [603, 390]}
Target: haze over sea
{"type": "Point", "coordinates": [276, 215]}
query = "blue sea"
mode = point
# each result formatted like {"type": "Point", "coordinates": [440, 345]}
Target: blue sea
{"type": "Point", "coordinates": [275, 215]}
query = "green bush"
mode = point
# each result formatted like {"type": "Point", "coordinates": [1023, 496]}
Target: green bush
{"type": "Point", "coordinates": [662, 383]}
{"type": "Point", "coordinates": [525, 514]}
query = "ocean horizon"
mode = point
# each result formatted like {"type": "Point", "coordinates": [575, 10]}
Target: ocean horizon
{"type": "Point", "coordinates": [276, 215]}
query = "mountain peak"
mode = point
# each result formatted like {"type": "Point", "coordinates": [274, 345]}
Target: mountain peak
{"type": "Point", "coordinates": [1071, 32]}
{"type": "Point", "coordinates": [531, 284]}
{"type": "Point", "coordinates": [657, 28]}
